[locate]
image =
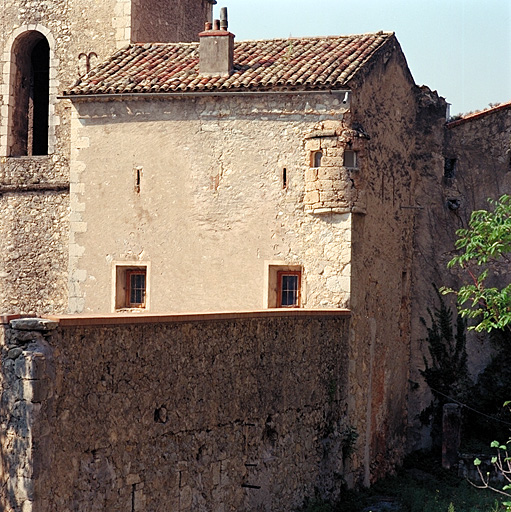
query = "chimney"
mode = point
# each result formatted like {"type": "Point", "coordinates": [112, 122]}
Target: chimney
{"type": "Point", "coordinates": [216, 48]}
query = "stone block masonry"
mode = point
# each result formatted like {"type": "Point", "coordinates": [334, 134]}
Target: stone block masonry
{"type": "Point", "coordinates": [33, 250]}
{"type": "Point", "coordinates": [240, 411]}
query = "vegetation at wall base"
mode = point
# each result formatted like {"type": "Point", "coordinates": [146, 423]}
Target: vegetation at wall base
{"type": "Point", "coordinates": [484, 254]}
{"type": "Point", "coordinates": [421, 485]}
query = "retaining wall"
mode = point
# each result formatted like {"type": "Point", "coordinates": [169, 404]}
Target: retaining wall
{"type": "Point", "coordinates": [242, 411]}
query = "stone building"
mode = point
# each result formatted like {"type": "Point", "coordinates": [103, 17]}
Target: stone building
{"type": "Point", "coordinates": [470, 163]}
{"type": "Point", "coordinates": [183, 171]}
{"type": "Point", "coordinates": [265, 174]}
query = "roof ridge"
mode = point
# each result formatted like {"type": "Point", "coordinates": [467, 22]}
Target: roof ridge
{"type": "Point", "coordinates": [271, 39]}
{"type": "Point", "coordinates": [479, 113]}
{"type": "Point", "coordinates": [330, 36]}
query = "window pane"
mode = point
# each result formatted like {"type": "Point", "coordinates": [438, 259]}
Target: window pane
{"type": "Point", "coordinates": [289, 290]}
{"type": "Point", "coordinates": [137, 288]}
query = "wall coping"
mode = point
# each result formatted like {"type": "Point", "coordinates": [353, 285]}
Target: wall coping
{"type": "Point", "coordinates": [155, 318]}
{"type": "Point", "coordinates": [6, 318]}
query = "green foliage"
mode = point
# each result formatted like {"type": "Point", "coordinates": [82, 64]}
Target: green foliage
{"type": "Point", "coordinates": [349, 441]}
{"type": "Point", "coordinates": [445, 370]}
{"type": "Point", "coordinates": [484, 245]}
{"type": "Point", "coordinates": [502, 464]}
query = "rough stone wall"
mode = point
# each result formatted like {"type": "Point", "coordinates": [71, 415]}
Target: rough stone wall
{"type": "Point", "coordinates": [481, 148]}
{"type": "Point", "coordinates": [329, 188]}
{"type": "Point", "coordinates": [244, 413]}
{"type": "Point", "coordinates": [211, 211]}
{"type": "Point", "coordinates": [26, 383]}
{"type": "Point", "coordinates": [168, 20]}
{"type": "Point", "coordinates": [34, 252]}
{"type": "Point", "coordinates": [385, 109]}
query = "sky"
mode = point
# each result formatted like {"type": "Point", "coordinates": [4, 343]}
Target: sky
{"type": "Point", "coordinates": [460, 48]}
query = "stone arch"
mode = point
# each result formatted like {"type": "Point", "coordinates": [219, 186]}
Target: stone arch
{"type": "Point", "coordinates": [29, 93]}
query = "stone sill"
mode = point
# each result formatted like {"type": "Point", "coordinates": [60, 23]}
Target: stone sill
{"type": "Point", "coordinates": [325, 211]}
{"type": "Point", "coordinates": [153, 318]}
{"type": "Point", "coordinates": [26, 158]}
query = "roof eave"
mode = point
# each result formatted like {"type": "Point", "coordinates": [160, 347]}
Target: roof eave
{"type": "Point", "coordinates": [191, 94]}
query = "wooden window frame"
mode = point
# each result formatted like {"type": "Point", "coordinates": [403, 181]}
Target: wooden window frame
{"type": "Point", "coordinates": [129, 273]}
{"type": "Point", "coordinates": [282, 273]}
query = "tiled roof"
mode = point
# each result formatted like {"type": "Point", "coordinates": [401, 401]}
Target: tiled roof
{"type": "Point", "coordinates": [277, 64]}
{"type": "Point", "coordinates": [477, 115]}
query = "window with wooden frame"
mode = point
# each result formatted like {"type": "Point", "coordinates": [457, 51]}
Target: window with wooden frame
{"type": "Point", "coordinates": [131, 287]}
{"type": "Point", "coordinates": [288, 288]}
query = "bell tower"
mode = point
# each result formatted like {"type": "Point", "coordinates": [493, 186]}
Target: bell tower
{"type": "Point", "coordinates": [44, 48]}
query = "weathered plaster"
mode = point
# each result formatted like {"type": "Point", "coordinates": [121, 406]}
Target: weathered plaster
{"type": "Point", "coordinates": [211, 207]}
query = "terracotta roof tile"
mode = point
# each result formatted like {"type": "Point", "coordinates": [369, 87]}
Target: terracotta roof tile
{"type": "Point", "coordinates": [285, 64]}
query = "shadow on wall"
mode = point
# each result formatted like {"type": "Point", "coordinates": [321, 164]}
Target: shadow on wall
{"type": "Point", "coordinates": [26, 388]}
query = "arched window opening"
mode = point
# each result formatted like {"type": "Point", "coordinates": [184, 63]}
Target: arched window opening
{"type": "Point", "coordinates": [316, 158]}
{"type": "Point", "coordinates": [29, 115]}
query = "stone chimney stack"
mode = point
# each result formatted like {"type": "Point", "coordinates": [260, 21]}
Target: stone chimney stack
{"type": "Point", "coordinates": [216, 48]}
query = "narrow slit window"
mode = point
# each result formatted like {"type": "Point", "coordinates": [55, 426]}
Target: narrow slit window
{"type": "Point", "coordinates": [289, 289]}
{"type": "Point", "coordinates": [284, 178]}
{"type": "Point", "coordinates": [350, 159]}
{"type": "Point", "coordinates": [138, 179]}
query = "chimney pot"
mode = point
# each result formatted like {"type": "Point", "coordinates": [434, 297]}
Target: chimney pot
{"type": "Point", "coordinates": [224, 23]}
{"type": "Point", "coordinates": [216, 25]}
{"type": "Point", "coordinates": [208, 25]}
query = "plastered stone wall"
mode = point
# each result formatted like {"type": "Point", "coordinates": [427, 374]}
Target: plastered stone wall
{"type": "Point", "coordinates": [480, 146]}
{"type": "Point", "coordinates": [235, 413]}
{"type": "Point", "coordinates": [212, 211]}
